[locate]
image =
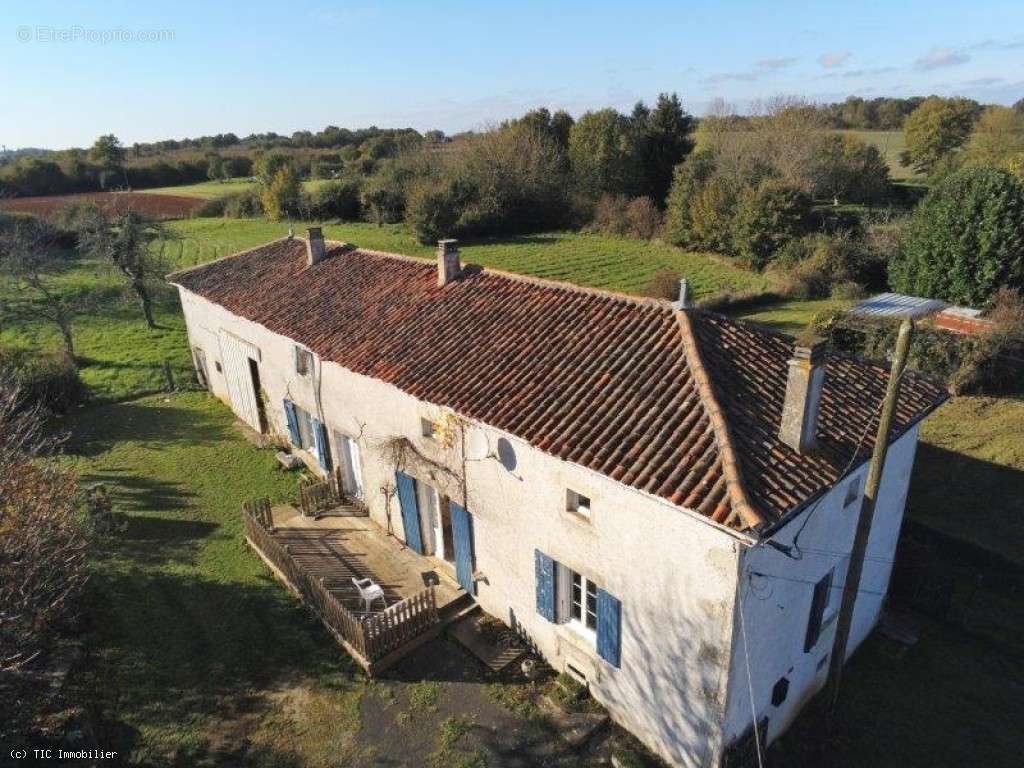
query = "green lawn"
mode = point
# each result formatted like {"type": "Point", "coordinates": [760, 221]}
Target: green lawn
{"type": "Point", "coordinates": [890, 144]}
{"type": "Point", "coordinates": [211, 189]}
{"type": "Point", "coordinates": [195, 653]}
{"type": "Point", "coordinates": [788, 315]}
{"type": "Point", "coordinates": [969, 475]}
{"type": "Point", "coordinates": [122, 358]}
{"type": "Point", "coordinates": [602, 261]}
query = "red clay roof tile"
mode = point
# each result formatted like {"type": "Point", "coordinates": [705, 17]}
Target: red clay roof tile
{"type": "Point", "coordinates": [684, 406]}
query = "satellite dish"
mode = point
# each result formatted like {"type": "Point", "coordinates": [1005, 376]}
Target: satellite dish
{"type": "Point", "coordinates": [477, 446]}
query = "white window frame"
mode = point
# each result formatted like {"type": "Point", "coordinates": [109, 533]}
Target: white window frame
{"type": "Point", "coordinates": [569, 612]}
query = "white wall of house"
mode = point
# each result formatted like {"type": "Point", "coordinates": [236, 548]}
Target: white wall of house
{"type": "Point", "coordinates": [674, 573]}
{"type": "Point", "coordinates": [776, 606]}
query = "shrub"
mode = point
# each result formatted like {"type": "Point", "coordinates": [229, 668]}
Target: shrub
{"type": "Point", "coordinates": [965, 240]}
{"type": "Point", "coordinates": [44, 380]}
{"type": "Point", "coordinates": [664, 284]}
{"type": "Point", "coordinates": [767, 217]}
{"type": "Point", "coordinates": [432, 210]}
{"type": "Point", "coordinates": [282, 196]}
{"type": "Point", "coordinates": [43, 547]}
{"type": "Point", "coordinates": [335, 200]}
{"type": "Point", "coordinates": [610, 215]}
{"type": "Point", "coordinates": [994, 364]}
{"type": "Point", "coordinates": [643, 218]}
{"type": "Point", "coordinates": [710, 215]}
{"type": "Point", "coordinates": [383, 201]}
{"type": "Point", "coordinates": [687, 180]}
{"type": "Point", "coordinates": [816, 266]}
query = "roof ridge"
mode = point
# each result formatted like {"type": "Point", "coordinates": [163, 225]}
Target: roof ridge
{"type": "Point", "coordinates": [542, 282]}
{"type": "Point", "coordinates": [170, 275]}
{"type": "Point", "coordinates": [741, 505]}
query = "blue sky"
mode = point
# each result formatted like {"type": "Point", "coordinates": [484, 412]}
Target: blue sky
{"type": "Point", "coordinates": [283, 66]}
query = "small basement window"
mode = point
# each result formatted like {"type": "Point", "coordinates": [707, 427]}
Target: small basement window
{"type": "Point", "coordinates": [852, 492]}
{"type": "Point", "coordinates": [577, 504]}
{"type": "Point", "coordinates": [303, 361]}
{"type": "Point", "coordinates": [780, 691]}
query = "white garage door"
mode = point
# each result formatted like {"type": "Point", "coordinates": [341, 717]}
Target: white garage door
{"type": "Point", "coordinates": [235, 355]}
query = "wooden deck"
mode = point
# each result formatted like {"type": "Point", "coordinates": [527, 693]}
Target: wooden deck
{"type": "Point", "coordinates": [340, 548]}
{"type": "Point", "coordinates": [317, 558]}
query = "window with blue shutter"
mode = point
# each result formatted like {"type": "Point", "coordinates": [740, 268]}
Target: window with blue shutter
{"type": "Point", "coordinates": [320, 445]}
{"type": "Point", "coordinates": [410, 511]}
{"type": "Point", "coordinates": [609, 628]}
{"type": "Point", "coordinates": [462, 538]}
{"type": "Point", "coordinates": [293, 422]}
{"type": "Point", "coordinates": [545, 570]}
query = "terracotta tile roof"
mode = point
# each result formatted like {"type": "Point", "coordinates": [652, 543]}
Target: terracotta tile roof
{"type": "Point", "coordinates": [683, 406]}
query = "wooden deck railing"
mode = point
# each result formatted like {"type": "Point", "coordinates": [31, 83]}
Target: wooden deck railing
{"type": "Point", "coordinates": [368, 639]}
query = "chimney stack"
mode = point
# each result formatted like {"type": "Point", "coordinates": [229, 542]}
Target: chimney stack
{"type": "Point", "coordinates": [799, 424]}
{"type": "Point", "coordinates": [315, 248]}
{"type": "Point", "coordinates": [449, 265]}
{"type": "Point", "coordinates": [685, 301]}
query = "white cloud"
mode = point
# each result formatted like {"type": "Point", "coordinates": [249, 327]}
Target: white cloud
{"type": "Point", "coordinates": [776, 63]}
{"type": "Point", "coordinates": [833, 59]}
{"type": "Point", "coordinates": [938, 57]}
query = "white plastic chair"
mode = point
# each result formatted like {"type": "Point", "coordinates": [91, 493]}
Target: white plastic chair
{"type": "Point", "coordinates": [369, 591]}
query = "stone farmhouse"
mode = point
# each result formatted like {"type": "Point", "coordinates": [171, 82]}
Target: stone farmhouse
{"type": "Point", "coordinates": [660, 499]}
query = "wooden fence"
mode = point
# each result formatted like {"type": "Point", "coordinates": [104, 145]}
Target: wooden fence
{"type": "Point", "coordinates": [317, 495]}
{"type": "Point", "coordinates": [367, 639]}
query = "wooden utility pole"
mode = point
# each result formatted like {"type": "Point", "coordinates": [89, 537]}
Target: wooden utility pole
{"type": "Point", "coordinates": [867, 514]}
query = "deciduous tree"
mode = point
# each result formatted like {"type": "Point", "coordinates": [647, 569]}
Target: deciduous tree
{"type": "Point", "coordinates": [935, 130]}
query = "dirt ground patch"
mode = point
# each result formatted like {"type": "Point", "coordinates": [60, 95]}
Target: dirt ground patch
{"type": "Point", "coordinates": [436, 708]}
{"type": "Point", "coordinates": [158, 206]}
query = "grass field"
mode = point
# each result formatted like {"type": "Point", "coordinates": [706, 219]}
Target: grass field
{"type": "Point", "coordinates": [123, 358]}
{"type": "Point", "coordinates": [194, 650]}
{"type": "Point", "coordinates": [890, 144]}
{"type": "Point", "coordinates": [969, 476]}
{"type": "Point", "coordinates": [196, 656]}
{"type": "Point", "coordinates": [602, 261]}
{"type": "Point", "coordinates": [210, 189]}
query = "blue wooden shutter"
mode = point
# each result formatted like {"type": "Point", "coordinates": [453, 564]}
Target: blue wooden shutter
{"type": "Point", "coordinates": [293, 422]}
{"type": "Point", "coordinates": [609, 628]}
{"type": "Point", "coordinates": [410, 511]}
{"type": "Point", "coordinates": [320, 444]}
{"type": "Point", "coordinates": [462, 537]}
{"type": "Point", "coordinates": [545, 568]}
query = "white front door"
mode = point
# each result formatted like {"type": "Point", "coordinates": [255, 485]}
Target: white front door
{"type": "Point", "coordinates": [430, 515]}
{"type": "Point", "coordinates": [351, 465]}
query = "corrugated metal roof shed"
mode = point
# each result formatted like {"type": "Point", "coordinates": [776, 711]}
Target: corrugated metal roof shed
{"type": "Point", "coordinates": [897, 305]}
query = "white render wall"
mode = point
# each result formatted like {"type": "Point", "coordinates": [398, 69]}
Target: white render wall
{"type": "Point", "coordinates": [776, 606]}
{"type": "Point", "coordinates": [674, 573]}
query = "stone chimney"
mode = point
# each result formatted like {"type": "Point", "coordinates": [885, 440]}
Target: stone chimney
{"type": "Point", "coordinates": [803, 397]}
{"type": "Point", "coordinates": [315, 248]}
{"type": "Point", "coordinates": [685, 300]}
{"type": "Point", "coordinates": [449, 265]}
